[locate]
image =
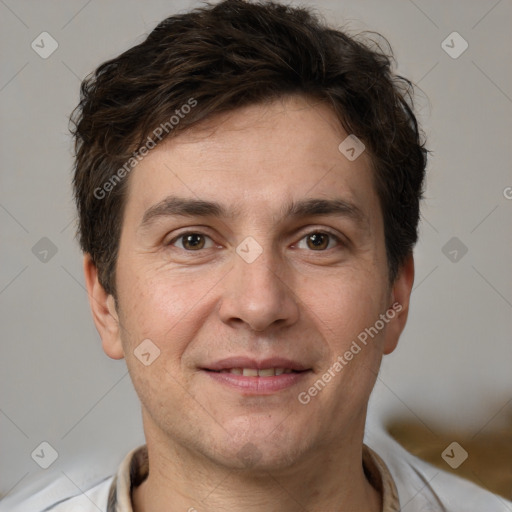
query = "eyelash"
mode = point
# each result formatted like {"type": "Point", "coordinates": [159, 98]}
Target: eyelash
{"type": "Point", "coordinates": [337, 239]}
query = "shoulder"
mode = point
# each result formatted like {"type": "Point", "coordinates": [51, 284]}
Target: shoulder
{"type": "Point", "coordinates": [81, 494]}
{"type": "Point", "coordinates": [91, 500]}
{"type": "Point", "coordinates": [50, 499]}
{"type": "Point", "coordinates": [425, 488]}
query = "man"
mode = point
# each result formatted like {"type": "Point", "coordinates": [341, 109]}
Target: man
{"type": "Point", "coordinates": [248, 185]}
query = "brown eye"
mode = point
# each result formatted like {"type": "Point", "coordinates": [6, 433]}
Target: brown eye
{"type": "Point", "coordinates": [191, 241]}
{"type": "Point", "coordinates": [318, 241]}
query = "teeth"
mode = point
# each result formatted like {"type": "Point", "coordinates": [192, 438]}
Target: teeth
{"type": "Point", "coordinates": [253, 372]}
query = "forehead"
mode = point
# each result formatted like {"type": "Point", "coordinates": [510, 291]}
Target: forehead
{"type": "Point", "coordinates": [254, 160]}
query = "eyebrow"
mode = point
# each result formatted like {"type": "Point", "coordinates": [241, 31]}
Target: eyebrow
{"type": "Point", "coordinates": [177, 206]}
{"type": "Point", "coordinates": [173, 206]}
{"type": "Point", "coordinates": [316, 207]}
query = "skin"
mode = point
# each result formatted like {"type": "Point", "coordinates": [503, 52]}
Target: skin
{"type": "Point", "coordinates": [296, 300]}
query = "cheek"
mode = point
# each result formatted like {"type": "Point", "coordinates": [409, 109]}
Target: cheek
{"type": "Point", "coordinates": [162, 306]}
{"type": "Point", "coordinates": [345, 305]}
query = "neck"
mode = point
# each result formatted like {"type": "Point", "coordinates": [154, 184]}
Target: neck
{"type": "Point", "coordinates": [328, 480]}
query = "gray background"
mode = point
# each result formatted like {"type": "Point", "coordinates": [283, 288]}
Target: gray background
{"type": "Point", "coordinates": [453, 364]}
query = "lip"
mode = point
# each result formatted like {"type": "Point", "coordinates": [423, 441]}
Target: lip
{"type": "Point", "coordinates": [257, 364]}
{"type": "Point", "coordinates": [256, 385]}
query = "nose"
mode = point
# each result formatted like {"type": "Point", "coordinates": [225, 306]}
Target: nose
{"type": "Point", "coordinates": [257, 295]}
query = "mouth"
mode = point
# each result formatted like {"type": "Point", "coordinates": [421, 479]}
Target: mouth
{"type": "Point", "coordinates": [253, 377]}
{"type": "Point", "coordinates": [254, 372]}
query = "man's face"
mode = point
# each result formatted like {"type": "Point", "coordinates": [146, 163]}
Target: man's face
{"type": "Point", "coordinates": [280, 272]}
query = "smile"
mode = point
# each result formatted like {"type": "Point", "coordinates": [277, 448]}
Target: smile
{"type": "Point", "coordinates": [254, 372]}
{"type": "Point", "coordinates": [251, 376]}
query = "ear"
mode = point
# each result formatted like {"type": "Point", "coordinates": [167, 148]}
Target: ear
{"type": "Point", "coordinates": [104, 311]}
{"type": "Point", "coordinates": [399, 306]}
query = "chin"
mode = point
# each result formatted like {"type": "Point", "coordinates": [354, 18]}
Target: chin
{"type": "Point", "coordinates": [277, 448]}
{"type": "Point", "coordinates": [258, 458]}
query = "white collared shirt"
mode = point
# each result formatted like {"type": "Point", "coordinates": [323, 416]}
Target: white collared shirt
{"type": "Point", "coordinates": [406, 483]}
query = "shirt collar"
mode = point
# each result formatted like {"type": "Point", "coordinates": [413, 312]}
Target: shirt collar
{"type": "Point", "coordinates": [135, 468]}
{"type": "Point", "coordinates": [380, 477]}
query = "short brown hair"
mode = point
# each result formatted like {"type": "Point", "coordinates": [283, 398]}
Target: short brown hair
{"type": "Point", "coordinates": [218, 58]}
